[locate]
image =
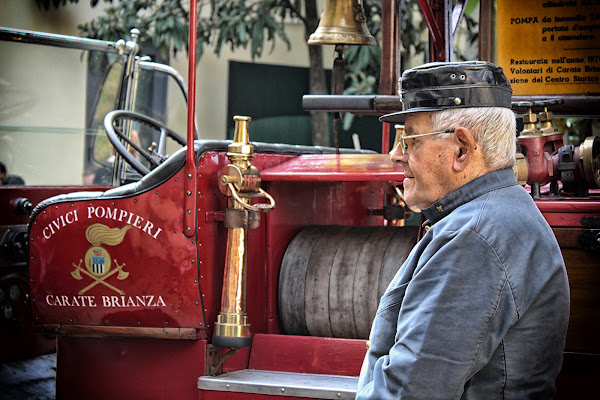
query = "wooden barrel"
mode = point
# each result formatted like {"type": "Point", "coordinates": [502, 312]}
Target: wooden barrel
{"type": "Point", "coordinates": [332, 278]}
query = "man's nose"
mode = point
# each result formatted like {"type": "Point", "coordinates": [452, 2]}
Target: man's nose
{"type": "Point", "coordinates": [396, 155]}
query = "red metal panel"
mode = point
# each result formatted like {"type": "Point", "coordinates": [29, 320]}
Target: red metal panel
{"type": "Point", "coordinates": [569, 205]}
{"type": "Point", "coordinates": [307, 354]}
{"type": "Point", "coordinates": [157, 283]}
{"type": "Point", "coordinates": [214, 395]}
{"type": "Point", "coordinates": [128, 368]}
{"type": "Point", "coordinates": [565, 219]}
{"type": "Point", "coordinates": [190, 199]}
{"type": "Point", "coordinates": [35, 194]}
{"type": "Point", "coordinates": [238, 361]}
{"type": "Point", "coordinates": [336, 167]}
{"type": "Point", "coordinates": [211, 235]}
{"type": "Point", "coordinates": [568, 212]}
{"type": "Point", "coordinates": [385, 138]}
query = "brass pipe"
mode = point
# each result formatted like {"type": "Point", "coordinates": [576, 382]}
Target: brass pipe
{"type": "Point", "coordinates": [233, 299]}
{"type": "Point", "coordinates": [232, 329]}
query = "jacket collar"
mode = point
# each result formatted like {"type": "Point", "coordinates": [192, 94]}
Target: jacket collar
{"type": "Point", "coordinates": [470, 191]}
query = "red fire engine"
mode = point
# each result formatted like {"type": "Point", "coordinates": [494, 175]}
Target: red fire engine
{"type": "Point", "coordinates": [243, 270]}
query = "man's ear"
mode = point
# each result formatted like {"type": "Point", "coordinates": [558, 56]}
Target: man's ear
{"type": "Point", "coordinates": [465, 147]}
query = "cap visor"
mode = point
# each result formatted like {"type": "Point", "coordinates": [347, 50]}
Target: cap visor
{"type": "Point", "coordinates": [400, 116]}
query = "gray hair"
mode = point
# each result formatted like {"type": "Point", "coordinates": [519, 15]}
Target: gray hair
{"type": "Point", "coordinates": [493, 128]}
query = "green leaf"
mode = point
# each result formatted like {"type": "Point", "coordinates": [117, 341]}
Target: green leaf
{"type": "Point", "coordinates": [257, 39]}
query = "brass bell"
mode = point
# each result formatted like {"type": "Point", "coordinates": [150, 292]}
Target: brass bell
{"type": "Point", "coordinates": [342, 22]}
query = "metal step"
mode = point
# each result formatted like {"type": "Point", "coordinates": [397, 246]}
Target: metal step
{"type": "Point", "coordinates": [278, 383]}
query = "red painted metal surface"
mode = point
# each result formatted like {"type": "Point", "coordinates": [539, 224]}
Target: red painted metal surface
{"type": "Point", "coordinates": [436, 34]}
{"type": "Point", "coordinates": [385, 138]}
{"type": "Point", "coordinates": [298, 354]}
{"type": "Point", "coordinates": [336, 168]}
{"type": "Point", "coordinates": [585, 205]}
{"type": "Point", "coordinates": [539, 150]}
{"type": "Point", "coordinates": [390, 31]}
{"type": "Point", "coordinates": [568, 212]}
{"type": "Point", "coordinates": [128, 368]}
{"type": "Point", "coordinates": [35, 194]}
{"type": "Point", "coordinates": [299, 204]}
{"type": "Point", "coordinates": [157, 285]}
{"type": "Point", "coordinates": [20, 339]}
{"type": "Point", "coordinates": [565, 219]}
{"type": "Point", "coordinates": [214, 395]}
{"type": "Point", "coordinates": [307, 354]}
{"type": "Point", "coordinates": [438, 19]}
{"type": "Point", "coordinates": [189, 220]}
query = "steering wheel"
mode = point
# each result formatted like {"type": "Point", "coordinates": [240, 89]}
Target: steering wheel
{"type": "Point", "coordinates": [117, 139]}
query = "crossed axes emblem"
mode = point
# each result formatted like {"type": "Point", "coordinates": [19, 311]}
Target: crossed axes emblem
{"type": "Point", "coordinates": [98, 234]}
{"type": "Point", "coordinates": [122, 275]}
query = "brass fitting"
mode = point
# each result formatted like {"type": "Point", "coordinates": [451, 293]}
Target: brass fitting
{"type": "Point", "coordinates": [240, 149]}
{"type": "Point", "coordinates": [529, 124]}
{"type": "Point", "coordinates": [521, 169]}
{"type": "Point", "coordinates": [546, 126]}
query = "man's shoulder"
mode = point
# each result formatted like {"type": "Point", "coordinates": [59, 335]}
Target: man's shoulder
{"type": "Point", "coordinates": [503, 212]}
{"type": "Point", "coordinates": [13, 180]}
{"type": "Point", "coordinates": [505, 202]}
{"type": "Point", "coordinates": [509, 204]}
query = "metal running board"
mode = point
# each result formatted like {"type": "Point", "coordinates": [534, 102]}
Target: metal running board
{"type": "Point", "coordinates": [278, 383]}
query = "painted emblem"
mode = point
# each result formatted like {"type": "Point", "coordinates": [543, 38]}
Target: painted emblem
{"type": "Point", "coordinates": [97, 259]}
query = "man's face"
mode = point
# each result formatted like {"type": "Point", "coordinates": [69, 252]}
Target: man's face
{"type": "Point", "coordinates": [2, 176]}
{"type": "Point", "coordinates": [427, 163]}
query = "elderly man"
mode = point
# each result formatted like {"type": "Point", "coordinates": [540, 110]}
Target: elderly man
{"type": "Point", "coordinates": [479, 310]}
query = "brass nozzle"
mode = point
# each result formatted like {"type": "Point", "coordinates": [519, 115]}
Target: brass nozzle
{"type": "Point", "coordinates": [241, 146]}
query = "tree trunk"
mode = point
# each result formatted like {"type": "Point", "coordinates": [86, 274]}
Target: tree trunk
{"type": "Point", "coordinates": [316, 75]}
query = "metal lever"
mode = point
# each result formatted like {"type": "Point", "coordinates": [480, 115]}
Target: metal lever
{"type": "Point", "coordinates": [264, 207]}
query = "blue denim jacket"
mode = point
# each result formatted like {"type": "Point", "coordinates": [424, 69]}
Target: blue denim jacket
{"type": "Point", "coordinates": [479, 310]}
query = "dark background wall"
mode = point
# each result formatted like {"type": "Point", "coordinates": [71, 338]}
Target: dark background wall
{"type": "Point", "coordinates": [272, 96]}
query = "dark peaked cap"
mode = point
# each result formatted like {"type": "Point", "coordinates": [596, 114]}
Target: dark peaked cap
{"type": "Point", "coordinates": [440, 86]}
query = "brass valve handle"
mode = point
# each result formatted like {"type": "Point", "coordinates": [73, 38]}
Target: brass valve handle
{"type": "Point", "coordinates": [264, 207]}
{"type": "Point", "coordinates": [244, 185]}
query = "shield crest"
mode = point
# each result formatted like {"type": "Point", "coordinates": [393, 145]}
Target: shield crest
{"type": "Point", "coordinates": [97, 261]}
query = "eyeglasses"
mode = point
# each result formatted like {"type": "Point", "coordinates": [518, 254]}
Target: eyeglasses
{"type": "Point", "coordinates": [404, 146]}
